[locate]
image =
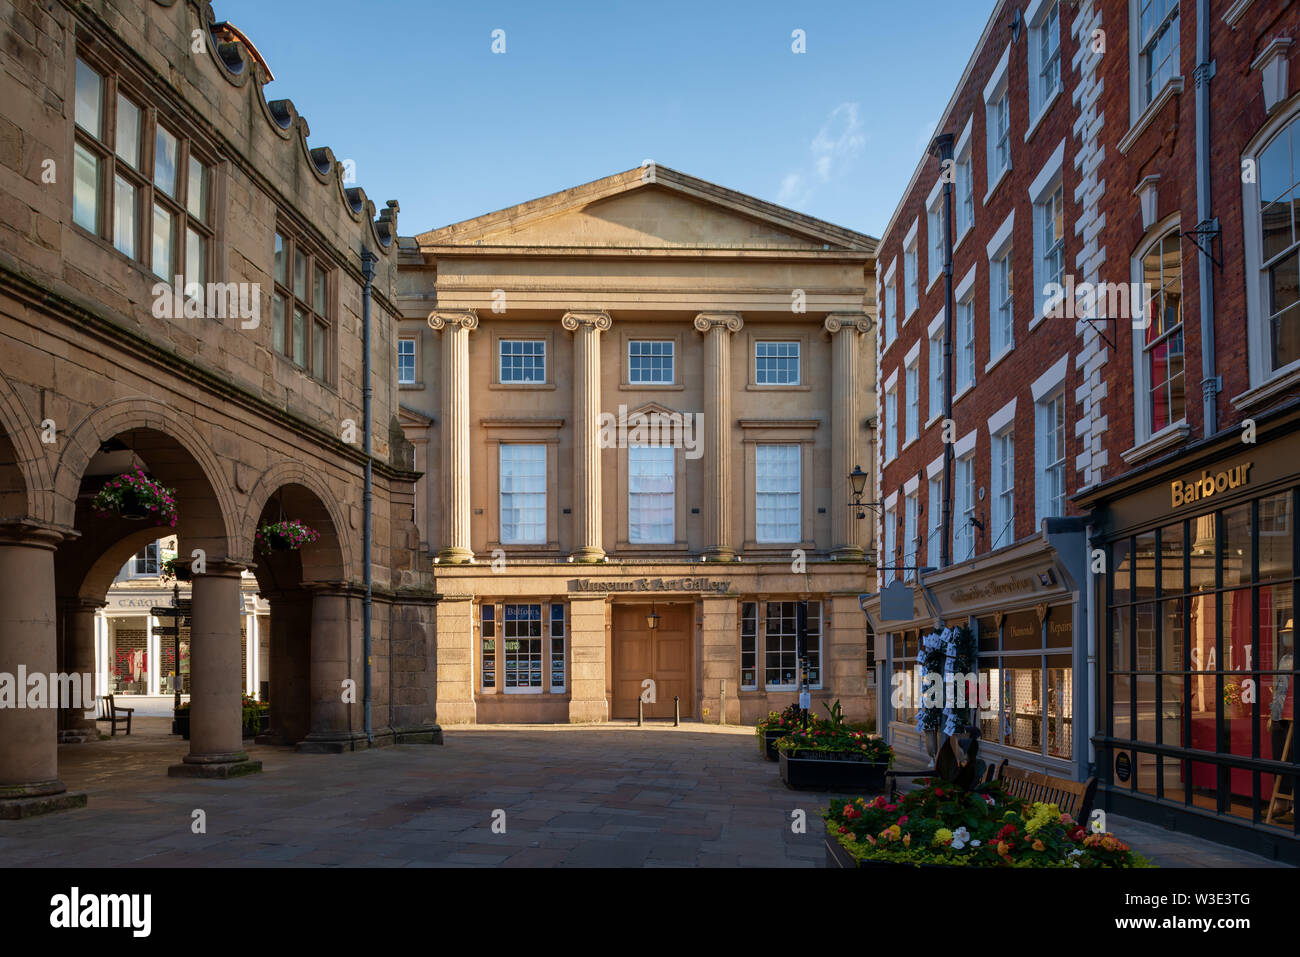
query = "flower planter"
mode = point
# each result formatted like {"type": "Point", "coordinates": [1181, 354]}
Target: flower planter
{"type": "Point", "coordinates": [258, 725]}
{"type": "Point", "coordinates": [831, 771]}
{"type": "Point", "coordinates": [132, 508]}
{"type": "Point", "coordinates": [768, 743]}
{"type": "Point", "coordinates": [278, 543]}
{"type": "Point", "coordinates": [181, 722]}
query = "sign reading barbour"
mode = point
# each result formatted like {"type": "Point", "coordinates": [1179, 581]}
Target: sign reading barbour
{"type": "Point", "coordinates": [649, 584]}
{"type": "Point", "coordinates": [1185, 493]}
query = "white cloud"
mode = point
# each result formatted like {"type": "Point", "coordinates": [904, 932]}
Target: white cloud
{"type": "Point", "coordinates": [832, 151]}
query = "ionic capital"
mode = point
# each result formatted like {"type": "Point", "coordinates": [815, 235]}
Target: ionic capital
{"type": "Point", "coordinates": [732, 321]}
{"type": "Point", "coordinates": [466, 319]}
{"type": "Point", "coordinates": [600, 321]}
{"type": "Point", "coordinates": [847, 320]}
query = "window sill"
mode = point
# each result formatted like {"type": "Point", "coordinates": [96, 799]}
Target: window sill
{"type": "Point", "coordinates": [1280, 382]}
{"type": "Point", "coordinates": [1042, 113]}
{"type": "Point", "coordinates": [755, 387]}
{"type": "Point", "coordinates": [961, 393]}
{"type": "Point", "coordinates": [933, 279]}
{"type": "Point", "coordinates": [1010, 348]}
{"type": "Point", "coordinates": [956, 243]}
{"type": "Point", "coordinates": [1037, 320]}
{"type": "Point", "coordinates": [908, 318]}
{"type": "Point", "coordinates": [523, 386]}
{"type": "Point", "coordinates": [932, 419]}
{"type": "Point", "coordinates": [650, 387]}
{"type": "Point", "coordinates": [1170, 90]}
{"type": "Point", "coordinates": [410, 386]}
{"type": "Point", "coordinates": [908, 444]}
{"type": "Point", "coordinates": [1166, 438]}
{"type": "Point", "coordinates": [993, 187]}
{"type": "Point", "coordinates": [642, 550]}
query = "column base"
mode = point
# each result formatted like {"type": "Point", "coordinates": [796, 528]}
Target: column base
{"type": "Point", "coordinates": [848, 553]}
{"type": "Point", "coordinates": [452, 555]}
{"type": "Point", "coordinates": [75, 735]}
{"type": "Point", "coordinates": [456, 712]}
{"type": "Point", "coordinates": [418, 734]}
{"type": "Point", "coordinates": [333, 742]}
{"type": "Point", "coordinates": [230, 764]}
{"type": "Point", "coordinates": [594, 711]}
{"type": "Point", "coordinates": [588, 555]}
{"type": "Point", "coordinates": [15, 809]}
{"type": "Point", "coordinates": [718, 553]}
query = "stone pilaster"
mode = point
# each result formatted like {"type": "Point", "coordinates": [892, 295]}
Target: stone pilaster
{"type": "Point", "coordinates": [454, 664]}
{"type": "Point", "coordinates": [455, 327]}
{"type": "Point", "coordinates": [216, 692]}
{"type": "Point", "coordinates": [718, 329]}
{"type": "Point", "coordinates": [290, 674]}
{"type": "Point", "coordinates": [587, 701]}
{"type": "Point", "coordinates": [588, 514]}
{"type": "Point", "coordinates": [720, 660]}
{"type": "Point", "coordinates": [337, 724]}
{"type": "Point", "coordinates": [77, 627]}
{"type": "Point", "coordinates": [846, 414]}
{"type": "Point", "coordinates": [844, 657]}
{"type": "Point", "coordinates": [29, 755]}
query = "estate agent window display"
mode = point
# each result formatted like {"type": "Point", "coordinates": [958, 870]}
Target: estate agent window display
{"type": "Point", "coordinates": [1200, 658]}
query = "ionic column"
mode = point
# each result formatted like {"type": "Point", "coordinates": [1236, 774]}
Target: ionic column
{"type": "Point", "coordinates": [455, 327]}
{"type": "Point", "coordinates": [844, 329]}
{"type": "Point", "coordinates": [717, 329]}
{"type": "Point", "coordinates": [77, 624]}
{"type": "Point", "coordinates": [29, 754]}
{"type": "Point", "coordinates": [337, 721]}
{"type": "Point", "coordinates": [586, 328]}
{"type": "Point", "coordinates": [216, 682]}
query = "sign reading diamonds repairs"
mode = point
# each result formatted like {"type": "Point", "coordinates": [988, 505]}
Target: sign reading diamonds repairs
{"type": "Point", "coordinates": [1185, 493]}
{"type": "Point", "coordinates": [650, 584]}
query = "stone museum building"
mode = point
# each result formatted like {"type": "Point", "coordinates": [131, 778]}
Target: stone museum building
{"type": "Point", "coordinates": [190, 293]}
{"type": "Point", "coordinates": [637, 405]}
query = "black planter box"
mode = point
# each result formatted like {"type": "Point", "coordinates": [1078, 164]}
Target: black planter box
{"type": "Point", "coordinates": [807, 773]}
{"type": "Point", "coordinates": [258, 725]}
{"type": "Point", "coordinates": [181, 723]}
{"type": "Point", "coordinates": [768, 744]}
{"type": "Point", "coordinates": [837, 856]}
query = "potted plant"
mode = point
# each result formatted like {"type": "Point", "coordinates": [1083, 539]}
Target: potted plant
{"type": "Point", "coordinates": [137, 497]}
{"type": "Point", "coordinates": [831, 756]}
{"type": "Point", "coordinates": [776, 726]}
{"type": "Point", "coordinates": [173, 569]}
{"type": "Point", "coordinates": [181, 720]}
{"type": "Point", "coordinates": [285, 536]}
{"type": "Point", "coordinates": [945, 825]}
{"type": "Point", "coordinates": [256, 716]}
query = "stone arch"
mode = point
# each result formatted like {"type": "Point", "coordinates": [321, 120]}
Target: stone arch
{"type": "Point", "coordinates": [30, 467]}
{"type": "Point", "coordinates": [330, 559]}
{"type": "Point", "coordinates": [144, 414]}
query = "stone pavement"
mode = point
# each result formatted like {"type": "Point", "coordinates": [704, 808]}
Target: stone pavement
{"type": "Point", "coordinates": [609, 795]}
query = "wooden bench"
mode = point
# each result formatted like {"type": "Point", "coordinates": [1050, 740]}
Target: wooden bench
{"type": "Point", "coordinates": [1072, 797]}
{"type": "Point", "coordinates": [115, 714]}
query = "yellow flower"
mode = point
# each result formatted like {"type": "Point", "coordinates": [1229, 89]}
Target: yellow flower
{"type": "Point", "coordinates": [942, 836]}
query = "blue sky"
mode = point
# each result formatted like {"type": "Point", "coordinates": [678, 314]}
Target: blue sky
{"type": "Point", "coordinates": [411, 91]}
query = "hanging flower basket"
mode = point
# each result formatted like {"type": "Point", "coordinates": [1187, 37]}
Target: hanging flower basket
{"type": "Point", "coordinates": [135, 496]}
{"type": "Point", "coordinates": [288, 536]}
{"type": "Point", "coordinates": [173, 569]}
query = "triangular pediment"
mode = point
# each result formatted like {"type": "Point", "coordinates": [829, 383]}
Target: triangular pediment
{"type": "Point", "coordinates": [653, 208]}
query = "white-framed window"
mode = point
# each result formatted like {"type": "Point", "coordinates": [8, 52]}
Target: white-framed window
{"type": "Point", "coordinates": [1160, 374]}
{"type": "Point", "coordinates": [913, 394]}
{"type": "Point", "coordinates": [650, 361]}
{"type": "Point", "coordinates": [1271, 200]}
{"type": "Point", "coordinates": [963, 355]}
{"type": "Point", "coordinates": [749, 646]}
{"type": "Point", "coordinates": [1050, 456]}
{"type": "Point", "coordinates": [521, 361]}
{"type": "Point", "coordinates": [1002, 529]}
{"type": "Point", "coordinates": [911, 289]}
{"type": "Point", "coordinates": [1044, 55]}
{"type": "Point", "coordinates": [936, 372]}
{"type": "Point", "coordinates": [777, 482]}
{"type": "Point", "coordinates": [780, 645]}
{"type": "Point", "coordinates": [964, 507]}
{"type": "Point", "coordinates": [1047, 194]}
{"type": "Point", "coordinates": [651, 504]}
{"type": "Point", "coordinates": [891, 421]}
{"type": "Point", "coordinates": [934, 516]}
{"type": "Point", "coordinates": [934, 229]}
{"type": "Point", "coordinates": [889, 561]}
{"type": "Point", "coordinates": [997, 120]}
{"type": "Point", "coordinates": [776, 363]}
{"type": "Point", "coordinates": [406, 362]}
{"type": "Point", "coordinates": [145, 562]}
{"type": "Point", "coordinates": [523, 494]}
{"type": "Point", "coordinates": [521, 648]}
{"type": "Point", "coordinates": [964, 183]}
{"type": "Point", "coordinates": [1155, 38]}
{"type": "Point", "coordinates": [889, 328]}
{"type": "Point", "coordinates": [559, 672]}
{"type": "Point", "coordinates": [911, 535]}
{"type": "Point", "coordinates": [1000, 304]}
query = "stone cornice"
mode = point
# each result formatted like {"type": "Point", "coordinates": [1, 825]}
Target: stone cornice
{"type": "Point", "coordinates": [600, 321]}
{"type": "Point", "coordinates": [733, 321]}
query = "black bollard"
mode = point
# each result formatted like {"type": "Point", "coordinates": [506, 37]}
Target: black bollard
{"type": "Point", "coordinates": [677, 711]}
{"type": "Point", "coordinates": [640, 711]}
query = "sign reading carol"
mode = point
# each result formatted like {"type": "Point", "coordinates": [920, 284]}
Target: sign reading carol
{"type": "Point", "coordinates": [1185, 493]}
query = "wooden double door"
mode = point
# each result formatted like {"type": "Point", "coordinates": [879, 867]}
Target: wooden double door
{"type": "Point", "coordinates": [665, 655]}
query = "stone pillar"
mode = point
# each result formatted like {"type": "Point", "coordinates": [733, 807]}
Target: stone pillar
{"type": "Point", "coordinates": [717, 329]}
{"type": "Point", "coordinates": [454, 664]}
{"type": "Point", "coordinates": [77, 626]}
{"type": "Point", "coordinates": [719, 659]}
{"type": "Point", "coordinates": [587, 700]}
{"type": "Point", "coordinates": [846, 426]}
{"type": "Point", "coordinates": [216, 684]}
{"type": "Point", "coordinates": [588, 514]}
{"type": "Point", "coordinates": [844, 657]}
{"type": "Point", "coordinates": [456, 327]}
{"type": "Point", "coordinates": [337, 725]}
{"type": "Point", "coordinates": [29, 754]}
{"type": "Point", "coordinates": [290, 666]}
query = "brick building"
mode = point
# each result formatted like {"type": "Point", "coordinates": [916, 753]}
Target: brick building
{"type": "Point", "coordinates": [1135, 446]}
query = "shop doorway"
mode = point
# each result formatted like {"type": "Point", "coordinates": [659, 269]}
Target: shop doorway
{"type": "Point", "coordinates": [663, 654]}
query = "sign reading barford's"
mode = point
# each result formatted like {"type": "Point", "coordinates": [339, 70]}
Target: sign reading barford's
{"type": "Point", "coordinates": [649, 584]}
{"type": "Point", "coordinates": [1185, 493]}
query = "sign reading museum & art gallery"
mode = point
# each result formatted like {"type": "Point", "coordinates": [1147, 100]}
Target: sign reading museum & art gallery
{"type": "Point", "coordinates": [649, 584]}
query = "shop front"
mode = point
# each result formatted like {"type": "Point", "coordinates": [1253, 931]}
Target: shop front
{"type": "Point", "coordinates": [1026, 606]}
{"type": "Point", "coordinates": [1197, 640]}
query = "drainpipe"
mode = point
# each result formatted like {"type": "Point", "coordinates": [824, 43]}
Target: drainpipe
{"type": "Point", "coordinates": [368, 260]}
{"type": "Point", "coordinates": [942, 148]}
{"type": "Point", "coordinates": [1207, 227]}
